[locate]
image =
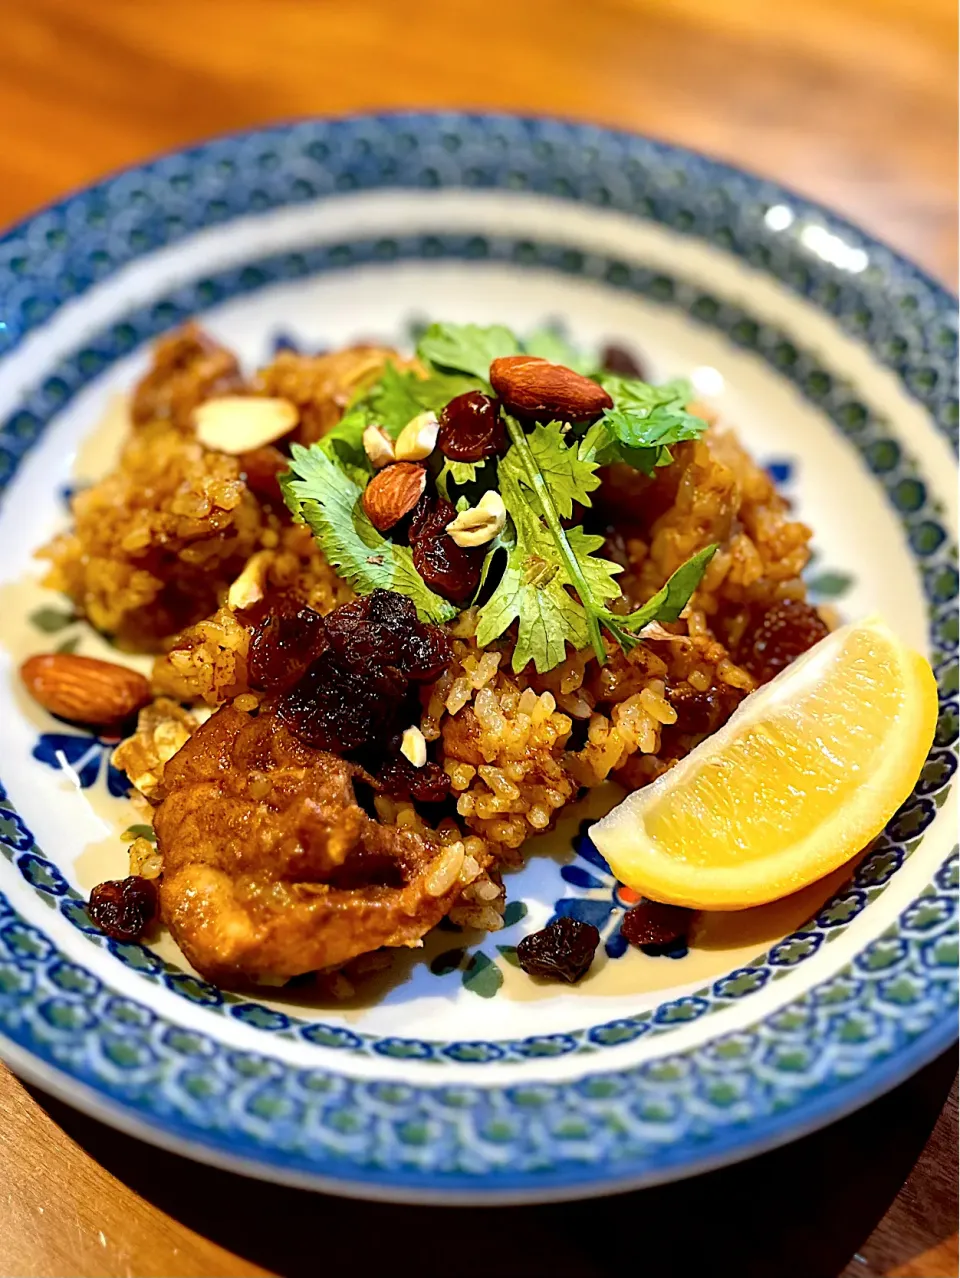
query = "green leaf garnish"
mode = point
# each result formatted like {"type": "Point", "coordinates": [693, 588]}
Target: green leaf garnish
{"type": "Point", "coordinates": [50, 620]}
{"type": "Point", "coordinates": [550, 343]}
{"type": "Point", "coordinates": [569, 477]}
{"type": "Point", "coordinates": [644, 421]}
{"type": "Point", "coordinates": [555, 585]}
{"type": "Point", "coordinates": [320, 493]}
{"type": "Point", "coordinates": [459, 473]}
{"type": "Point", "coordinates": [467, 348]}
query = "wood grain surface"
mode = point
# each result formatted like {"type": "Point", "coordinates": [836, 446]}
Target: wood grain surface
{"type": "Point", "coordinates": [853, 102]}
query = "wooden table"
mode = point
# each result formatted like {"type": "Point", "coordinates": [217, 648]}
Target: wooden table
{"type": "Point", "coordinates": [850, 101]}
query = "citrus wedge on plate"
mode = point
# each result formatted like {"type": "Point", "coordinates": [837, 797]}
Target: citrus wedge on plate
{"type": "Point", "coordinates": [807, 771]}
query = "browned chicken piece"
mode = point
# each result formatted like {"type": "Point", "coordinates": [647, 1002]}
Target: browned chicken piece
{"type": "Point", "coordinates": [271, 868]}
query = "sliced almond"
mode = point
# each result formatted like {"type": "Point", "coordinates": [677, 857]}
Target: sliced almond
{"type": "Point", "coordinates": [249, 587]}
{"type": "Point", "coordinates": [238, 424]}
{"type": "Point", "coordinates": [378, 446]}
{"type": "Point", "coordinates": [418, 438]}
{"type": "Point", "coordinates": [481, 523]}
{"type": "Point", "coordinates": [393, 493]}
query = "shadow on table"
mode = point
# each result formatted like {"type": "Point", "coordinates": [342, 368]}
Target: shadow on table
{"type": "Point", "coordinates": [802, 1210]}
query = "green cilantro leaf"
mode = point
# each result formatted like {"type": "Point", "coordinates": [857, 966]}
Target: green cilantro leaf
{"type": "Point", "coordinates": [549, 343]}
{"type": "Point", "coordinates": [467, 348]}
{"type": "Point", "coordinates": [321, 494]}
{"type": "Point", "coordinates": [669, 601]}
{"type": "Point", "coordinates": [400, 396]}
{"type": "Point", "coordinates": [646, 417]}
{"type": "Point", "coordinates": [569, 477]}
{"type": "Point", "coordinates": [532, 591]}
{"type": "Point", "coordinates": [459, 473]}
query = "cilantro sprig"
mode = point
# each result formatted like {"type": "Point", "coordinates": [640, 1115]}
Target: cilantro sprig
{"type": "Point", "coordinates": [555, 586]}
{"type": "Point", "coordinates": [322, 494]}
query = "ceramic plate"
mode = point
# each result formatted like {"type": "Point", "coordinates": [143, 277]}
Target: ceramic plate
{"type": "Point", "coordinates": [460, 1080]}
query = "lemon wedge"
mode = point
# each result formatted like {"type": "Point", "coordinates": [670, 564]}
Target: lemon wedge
{"type": "Point", "coordinates": [807, 771]}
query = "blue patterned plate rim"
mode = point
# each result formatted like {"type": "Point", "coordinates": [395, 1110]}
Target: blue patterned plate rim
{"type": "Point", "coordinates": [561, 1169]}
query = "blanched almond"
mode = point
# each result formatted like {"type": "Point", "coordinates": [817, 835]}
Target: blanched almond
{"type": "Point", "coordinates": [481, 523]}
{"type": "Point", "coordinates": [378, 446]}
{"type": "Point", "coordinates": [84, 689]}
{"type": "Point", "coordinates": [238, 424]}
{"type": "Point", "coordinates": [418, 438]}
{"type": "Point", "coordinates": [393, 493]}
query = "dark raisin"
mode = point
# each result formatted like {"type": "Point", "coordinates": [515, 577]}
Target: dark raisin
{"type": "Point", "coordinates": [339, 707]}
{"type": "Point", "coordinates": [123, 908]}
{"type": "Point", "coordinates": [656, 925]}
{"type": "Point", "coordinates": [401, 780]}
{"type": "Point", "coordinates": [283, 645]}
{"type": "Point", "coordinates": [471, 429]}
{"type": "Point", "coordinates": [262, 468]}
{"type": "Point", "coordinates": [701, 713]}
{"type": "Point", "coordinates": [451, 570]}
{"type": "Point", "coordinates": [617, 359]}
{"type": "Point", "coordinates": [562, 951]}
{"type": "Point", "coordinates": [425, 650]}
{"type": "Point", "coordinates": [778, 635]}
{"type": "Point", "coordinates": [360, 641]}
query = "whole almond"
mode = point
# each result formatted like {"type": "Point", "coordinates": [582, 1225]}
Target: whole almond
{"type": "Point", "coordinates": [393, 493]}
{"type": "Point", "coordinates": [533, 387]}
{"type": "Point", "coordinates": [84, 689]}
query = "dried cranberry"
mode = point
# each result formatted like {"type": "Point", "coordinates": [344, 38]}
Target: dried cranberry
{"type": "Point", "coordinates": [283, 645]}
{"type": "Point", "coordinates": [471, 429]}
{"type": "Point", "coordinates": [401, 780]}
{"type": "Point", "coordinates": [617, 359]}
{"type": "Point", "coordinates": [562, 951]}
{"type": "Point", "coordinates": [779, 635]}
{"type": "Point", "coordinates": [654, 925]}
{"type": "Point", "coordinates": [123, 908]}
{"type": "Point", "coordinates": [452, 571]}
{"type": "Point", "coordinates": [336, 706]}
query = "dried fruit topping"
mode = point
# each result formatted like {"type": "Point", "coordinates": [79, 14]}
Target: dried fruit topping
{"type": "Point", "coordinates": [779, 635]}
{"type": "Point", "coordinates": [471, 429]}
{"type": "Point", "coordinates": [425, 649]}
{"type": "Point", "coordinates": [283, 645]}
{"type": "Point", "coordinates": [656, 926]}
{"type": "Point", "coordinates": [356, 693]}
{"type": "Point", "coordinates": [562, 951]}
{"type": "Point", "coordinates": [393, 493]}
{"type": "Point", "coordinates": [452, 571]}
{"type": "Point", "coordinates": [619, 360]}
{"type": "Point", "coordinates": [340, 707]}
{"type": "Point", "coordinates": [533, 388]}
{"type": "Point", "coordinates": [84, 689]}
{"type": "Point", "coordinates": [123, 908]}
{"type": "Point", "coordinates": [261, 468]}
{"type": "Point", "coordinates": [702, 713]}
{"type": "Point", "coordinates": [401, 780]}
